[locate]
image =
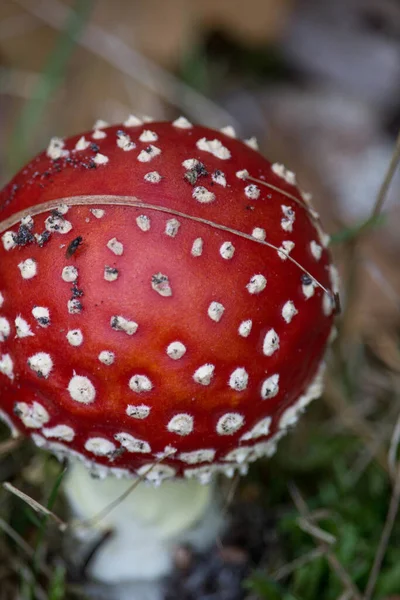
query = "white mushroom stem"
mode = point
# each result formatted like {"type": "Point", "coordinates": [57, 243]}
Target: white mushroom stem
{"type": "Point", "coordinates": [146, 526]}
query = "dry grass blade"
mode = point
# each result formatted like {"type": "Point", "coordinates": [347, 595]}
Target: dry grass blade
{"type": "Point", "coordinates": [394, 163]}
{"type": "Point", "coordinates": [23, 545]}
{"type": "Point", "coordinates": [34, 505]}
{"type": "Point", "coordinates": [385, 537]}
{"type": "Point", "coordinates": [298, 563]}
{"type": "Point", "coordinates": [131, 63]}
{"type": "Point", "coordinates": [394, 448]}
{"type": "Point", "coordinates": [335, 564]}
{"type": "Point", "coordinates": [112, 505]}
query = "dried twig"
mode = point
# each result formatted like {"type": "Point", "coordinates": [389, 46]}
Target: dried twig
{"type": "Point", "coordinates": [394, 162]}
{"type": "Point", "coordinates": [34, 505]}
{"type": "Point", "coordinates": [130, 62]}
{"type": "Point", "coordinates": [385, 537]}
{"type": "Point", "coordinates": [315, 532]}
{"type": "Point", "coordinates": [298, 563]}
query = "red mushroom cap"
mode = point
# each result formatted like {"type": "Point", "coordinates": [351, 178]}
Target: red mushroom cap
{"type": "Point", "coordinates": [156, 301]}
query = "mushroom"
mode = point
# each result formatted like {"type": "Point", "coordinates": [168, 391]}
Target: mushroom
{"type": "Point", "coordinates": [166, 298]}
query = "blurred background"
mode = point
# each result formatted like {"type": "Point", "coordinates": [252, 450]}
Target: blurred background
{"type": "Point", "coordinates": [318, 83]}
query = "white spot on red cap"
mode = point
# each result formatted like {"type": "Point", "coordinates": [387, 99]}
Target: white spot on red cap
{"type": "Point", "coordinates": [140, 411]}
{"type": "Point", "coordinates": [100, 446]}
{"type": "Point", "coordinates": [74, 306]}
{"type": "Point", "coordinates": [82, 144]}
{"type": "Point", "coordinates": [288, 219]}
{"type": "Point", "coordinates": [259, 233]}
{"type": "Point", "coordinates": [98, 212]}
{"type": "Point", "coordinates": [316, 250]}
{"type": "Point", "coordinates": [148, 153]}
{"type": "Point", "coordinates": [119, 323]}
{"type": "Point", "coordinates": [289, 311]}
{"type": "Point", "coordinates": [28, 268]}
{"type": "Point", "coordinates": [270, 387]}
{"type": "Point", "coordinates": [203, 195]}
{"type": "Point", "coordinates": [215, 311]}
{"type": "Point", "coordinates": [243, 174]}
{"type": "Point", "coordinates": [308, 286]}
{"type": "Point", "coordinates": [160, 284]}
{"type": "Point", "coordinates": [75, 337]}
{"type": "Point", "coordinates": [69, 274]}
{"type": "Point", "coordinates": [115, 246]}
{"type": "Point", "coordinates": [98, 134]}
{"type": "Point", "coordinates": [55, 149]}
{"type": "Point", "coordinates": [230, 423]}
{"type": "Point", "coordinates": [5, 329]}
{"type": "Point", "coordinates": [1, 299]}
{"type": "Point", "coordinates": [101, 159]}
{"type": "Point", "coordinates": [124, 142]}
{"type": "Point", "coordinates": [285, 249]}
{"type": "Point", "coordinates": [239, 379]}
{"type": "Point", "coordinates": [156, 473]}
{"type": "Point", "coordinates": [182, 123]}
{"type": "Point", "coordinates": [252, 191]}
{"type": "Point", "coordinates": [143, 222]}
{"type": "Point", "coordinates": [22, 327]}
{"type": "Point", "coordinates": [153, 177]}
{"type": "Point", "coordinates": [284, 173]}
{"type": "Point", "coordinates": [176, 350]}
{"type": "Point", "coordinates": [100, 124]}
{"type": "Point", "coordinates": [7, 366]}
{"type": "Point", "coordinates": [229, 131]}
{"type": "Point", "coordinates": [181, 424]}
{"type": "Point", "coordinates": [32, 415]}
{"type": "Point", "coordinates": [140, 383]}
{"type": "Point", "coordinates": [271, 342]}
{"type": "Point", "coordinates": [327, 304]}
{"type": "Point", "coordinates": [9, 240]}
{"type": "Point", "coordinates": [132, 444]}
{"type": "Point", "coordinates": [256, 284]}
{"type": "Point", "coordinates": [227, 250]}
{"type": "Point", "coordinates": [204, 374]}
{"type": "Point", "coordinates": [252, 143]}
{"type": "Point", "coordinates": [197, 247]}
{"type": "Point", "coordinates": [335, 279]}
{"type": "Point", "coordinates": [190, 163]}
{"type": "Point", "coordinates": [261, 428]}
{"type": "Point", "coordinates": [214, 147]}
{"type": "Point", "coordinates": [133, 121]}
{"type": "Point", "coordinates": [106, 357]}
{"type": "Point", "coordinates": [111, 273]}
{"type": "Point", "coordinates": [41, 363]}
{"type": "Point", "coordinates": [245, 328]}
{"type": "Point", "coordinates": [60, 432]}
{"type": "Point", "coordinates": [42, 315]}
{"type": "Point", "coordinates": [172, 227]}
{"type": "Point", "coordinates": [197, 456]}
{"type": "Point", "coordinates": [219, 178]}
{"type": "Point", "coordinates": [81, 389]}
{"type": "Point", "coordinates": [56, 223]}
{"type": "Point", "coordinates": [148, 136]}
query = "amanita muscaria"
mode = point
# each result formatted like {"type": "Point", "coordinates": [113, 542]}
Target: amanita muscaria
{"type": "Point", "coordinates": [166, 296]}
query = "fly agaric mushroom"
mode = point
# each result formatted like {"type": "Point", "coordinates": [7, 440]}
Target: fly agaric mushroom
{"type": "Point", "coordinates": [166, 297]}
